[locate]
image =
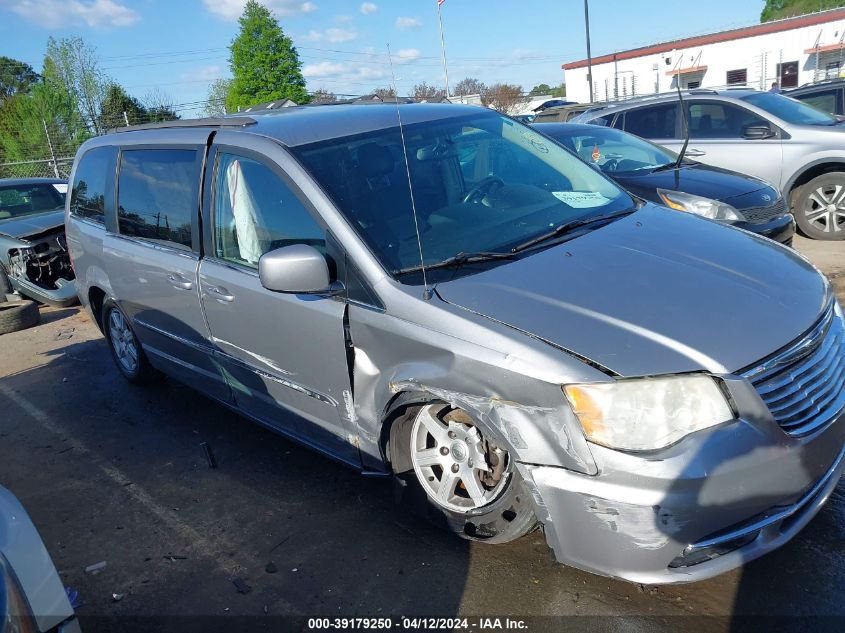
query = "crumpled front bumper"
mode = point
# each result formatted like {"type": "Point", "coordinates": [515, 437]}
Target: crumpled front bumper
{"type": "Point", "coordinates": [62, 296]}
{"type": "Point", "coordinates": [712, 502]}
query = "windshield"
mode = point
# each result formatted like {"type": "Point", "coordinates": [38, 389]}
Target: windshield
{"type": "Point", "coordinates": [20, 200]}
{"type": "Point", "coordinates": [480, 183]}
{"type": "Point", "coordinates": [613, 151]}
{"type": "Point", "coordinates": [790, 110]}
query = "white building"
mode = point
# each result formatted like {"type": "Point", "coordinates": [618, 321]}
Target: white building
{"type": "Point", "coordinates": [791, 52]}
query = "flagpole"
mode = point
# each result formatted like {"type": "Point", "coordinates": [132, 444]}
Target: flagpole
{"type": "Point", "coordinates": [443, 46]}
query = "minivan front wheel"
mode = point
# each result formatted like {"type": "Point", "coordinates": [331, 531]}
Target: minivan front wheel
{"type": "Point", "coordinates": [123, 344]}
{"type": "Point", "coordinates": [820, 207]}
{"type": "Point", "coordinates": [446, 470]}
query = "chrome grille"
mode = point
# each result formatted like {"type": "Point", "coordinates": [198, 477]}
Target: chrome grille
{"type": "Point", "coordinates": [804, 386]}
{"type": "Point", "coordinates": [759, 215]}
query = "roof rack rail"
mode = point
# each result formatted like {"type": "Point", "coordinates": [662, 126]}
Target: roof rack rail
{"type": "Point", "coordinates": [235, 121]}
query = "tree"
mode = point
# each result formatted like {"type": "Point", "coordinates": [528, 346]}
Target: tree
{"type": "Point", "coordinates": [779, 9]}
{"type": "Point", "coordinates": [425, 92]}
{"type": "Point", "coordinates": [541, 89]}
{"type": "Point", "coordinates": [468, 86]}
{"type": "Point", "coordinates": [502, 97]}
{"type": "Point", "coordinates": [385, 93]}
{"type": "Point", "coordinates": [15, 77]}
{"type": "Point", "coordinates": [323, 96]}
{"type": "Point", "coordinates": [72, 65]}
{"type": "Point", "coordinates": [264, 62]}
{"type": "Point", "coordinates": [217, 93]}
{"type": "Point", "coordinates": [159, 106]}
{"type": "Point", "coordinates": [119, 108]}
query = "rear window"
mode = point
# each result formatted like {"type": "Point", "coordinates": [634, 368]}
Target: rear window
{"type": "Point", "coordinates": [29, 199]}
{"type": "Point", "coordinates": [157, 194]}
{"type": "Point", "coordinates": [87, 198]}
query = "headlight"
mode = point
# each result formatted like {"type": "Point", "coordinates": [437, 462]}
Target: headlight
{"type": "Point", "coordinates": [15, 616]}
{"type": "Point", "coordinates": [704, 207]}
{"type": "Point", "coordinates": [647, 413]}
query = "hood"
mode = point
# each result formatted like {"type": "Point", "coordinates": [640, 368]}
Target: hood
{"type": "Point", "coordinates": [655, 292]}
{"type": "Point", "coordinates": [32, 224]}
{"type": "Point", "coordinates": [699, 180]}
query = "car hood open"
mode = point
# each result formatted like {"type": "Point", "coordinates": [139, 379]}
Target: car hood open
{"type": "Point", "coordinates": [655, 292]}
{"type": "Point", "coordinates": [32, 224]}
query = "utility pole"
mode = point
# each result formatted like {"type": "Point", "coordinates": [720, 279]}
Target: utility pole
{"type": "Point", "coordinates": [589, 55]}
{"type": "Point", "coordinates": [443, 45]}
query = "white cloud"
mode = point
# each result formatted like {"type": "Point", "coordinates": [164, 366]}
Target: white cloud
{"type": "Point", "coordinates": [368, 7]}
{"type": "Point", "coordinates": [232, 9]}
{"type": "Point", "coordinates": [343, 19]}
{"type": "Point", "coordinates": [407, 55]}
{"type": "Point", "coordinates": [57, 13]}
{"type": "Point", "coordinates": [206, 73]}
{"type": "Point", "coordinates": [313, 36]}
{"type": "Point", "coordinates": [405, 23]}
{"type": "Point", "coordinates": [323, 69]}
{"type": "Point", "coordinates": [340, 35]}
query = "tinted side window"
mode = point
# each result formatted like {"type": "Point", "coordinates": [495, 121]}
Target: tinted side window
{"type": "Point", "coordinates": [824, 101]}
{"type": "Point", "coordinates": [157, 194]}
{"type": "Point", "coordinates": [256, 212]}
{"type": "Point", "coordinates": [87, 198]}
{"type": "Point", "coordinates": [653, 122]}
{"type": "Point", "coordinates": [720, 120]}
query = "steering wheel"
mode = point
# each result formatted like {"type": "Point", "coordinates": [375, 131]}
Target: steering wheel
{"type": "Point", "coordinates": [485, 186]}
{"type": "Point", "coordinates": [609, 165]}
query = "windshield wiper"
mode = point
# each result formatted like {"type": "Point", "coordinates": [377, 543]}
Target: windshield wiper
{"type": "Point", "coordinates": [560, 229]}
{"type": "Point", "coordinates": [456, 261]}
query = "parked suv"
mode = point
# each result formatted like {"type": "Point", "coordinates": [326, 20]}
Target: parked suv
{"type": "Point", "coordinates": [662, 393]}
{"type": "Point", "coordinates": [781, 140]}
{"type": "Point", "coordinates": [827, 96]}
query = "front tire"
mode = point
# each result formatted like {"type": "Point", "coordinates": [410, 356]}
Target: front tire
{"type": "Point", "coordinates": [820, 207]}
{"type": "Point", "coordinates": [126, 352]}
{"type": "Point", "coordinates": [446, 471]}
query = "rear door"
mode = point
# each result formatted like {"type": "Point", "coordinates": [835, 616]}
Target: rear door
{"type": "Point", "coordinates": [151, 254]}
{"type": "Point", "coordinates": [658, 123]}
{"type": "Point", "coordinates": [716, 138]}
{"type": "Point", "coordinates": [282, 352]}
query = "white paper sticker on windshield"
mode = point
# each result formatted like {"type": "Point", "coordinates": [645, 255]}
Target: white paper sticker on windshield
{"type": "Point", "coordinates": [61, 187]}
{"type": "Point", "coordinates": [581, 199]}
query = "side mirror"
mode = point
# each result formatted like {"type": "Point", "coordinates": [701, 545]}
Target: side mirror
{"type": "Point", "coordinates": [296, 269]}
{"type": "Point", "coordinates": [757, 132]}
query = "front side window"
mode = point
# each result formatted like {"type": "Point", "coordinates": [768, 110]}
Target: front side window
{"type": "Point", "coordinates": [711, 119]}
{"type": "Point", "coordinates": [790, 110]}
{"type": "Point", "coordinates": [824, 100]}
{"type": "Point", "coordinates": [481, 182]}
{"type": "Point", "coordinates": [613, 151]}
{"type": "Point", "coordinates": [256, 212]}
{"type": "Point", "coordinates": [19, 200]}
{"type": "Point", "coordinates": [157, 195]}
{"type": "Point", "coordinates": [656, 121]}
{"type": "Point", "coordinates": [87, 197]}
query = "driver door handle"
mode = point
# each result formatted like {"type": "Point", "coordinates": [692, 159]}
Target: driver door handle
{"type": "Point", "coordinates": [219, 294]}
{"type": "Point", "coordinates": [178, 281]}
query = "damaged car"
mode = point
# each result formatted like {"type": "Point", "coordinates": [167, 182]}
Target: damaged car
{"type": "Point", "coordinates": [34, 260]}
{"type": "Point", "coordinates": [441, 295]}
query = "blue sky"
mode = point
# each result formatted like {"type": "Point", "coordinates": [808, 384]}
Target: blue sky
{"type": "Point", "coordinates": [179, 46]}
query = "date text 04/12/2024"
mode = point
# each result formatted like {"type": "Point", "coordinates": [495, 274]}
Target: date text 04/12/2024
{"type": "Point", "coordinates": [417, 624]}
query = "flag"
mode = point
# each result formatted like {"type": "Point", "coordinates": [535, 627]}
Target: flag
{"type": "Point", "coordinates": [439, 2]}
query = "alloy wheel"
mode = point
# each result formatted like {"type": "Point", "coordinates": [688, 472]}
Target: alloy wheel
{"type": "Point", "coordinates": [824, 208]}
{"type": "Point", "coordinates": [123, 342]}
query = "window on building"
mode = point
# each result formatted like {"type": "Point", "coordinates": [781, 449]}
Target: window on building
{"type": "Point", "coordinates": [788, 74]}
{"type": "Point", "coordinates": [710, 119]}
{"type": "Point", "coordinates": [832, 69]}
{"type": "Point", "coordinates": [652, 122]}
{"type": "Point", "coordinates": [692, 85]}
{"type": "Point", "coordinates": [737, 77]}
{"type": "Point", "coordinates": [157, 194]}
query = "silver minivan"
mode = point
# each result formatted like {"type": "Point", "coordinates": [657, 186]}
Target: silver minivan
{"type": "Point", "coordinates": [460, 303]}
{"type": "Point", "coordinates": [799, 149]}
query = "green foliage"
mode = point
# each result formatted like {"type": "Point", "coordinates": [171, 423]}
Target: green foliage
{"type": "Point", "coordinates": [546, 89]}
{"type": "Point", "coordinates": [779, 9]}
{"type": "Point", "coordinates": [115, 103]}
{"type": "Point", "coordinates": [218, 91]}
{"type": "Point", "coordinates": [264, 62]}
{"type": "Point", "coordinates": [15, 77]}
{"type": "Point", "coordinates": [72, 64]}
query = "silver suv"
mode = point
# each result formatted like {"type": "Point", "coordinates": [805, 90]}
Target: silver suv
{"type": "Point", "coordinates": [784, 141]}
{"type": "Point", "coordinates": [664, 394]}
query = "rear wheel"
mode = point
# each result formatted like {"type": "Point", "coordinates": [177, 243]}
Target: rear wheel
{"type": "Point", "coordinates": [820, 207]}
{"type": "Point", "coordinates": [448, 472]}
{"type": "Point", "coordinates": [123, 344]}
